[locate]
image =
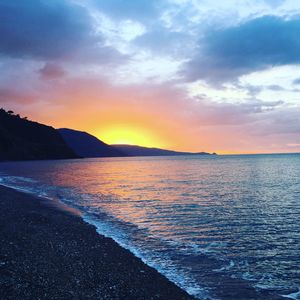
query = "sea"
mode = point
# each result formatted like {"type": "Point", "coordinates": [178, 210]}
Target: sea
{"type": "Point", "coordinates": [210, 224]}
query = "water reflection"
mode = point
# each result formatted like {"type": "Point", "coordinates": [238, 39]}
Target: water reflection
{"type": "Point", "coordinates": [241, 212]}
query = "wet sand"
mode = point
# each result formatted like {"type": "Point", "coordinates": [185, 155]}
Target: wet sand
{"type": "Point", "coordinates": [47, 252]}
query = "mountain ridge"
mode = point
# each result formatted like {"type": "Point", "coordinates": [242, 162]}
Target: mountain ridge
{"type": "Point", "coordinates": [135, 150]}
{"type": "Point", "coordinates": [22, 139]}
{"type": "Point", "coordinates": [87, 145]}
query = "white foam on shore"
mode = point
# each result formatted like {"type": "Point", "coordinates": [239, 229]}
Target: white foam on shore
{"type": "Point", "coordinates": [174, 275]}
{"type": "Point", "coordinates": [225, 268]}
{"type": "Point", "coordinates": [161, 265]}
{"type": "Point", "coordinates": [295, 296]}
{"type": "Point", "coordinates": [18, 188]}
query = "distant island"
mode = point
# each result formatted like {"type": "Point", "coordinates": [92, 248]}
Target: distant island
{"type": "Point", "coordinates": [22, 139]}
{"type": "Point", "coordinates": [132, 150]}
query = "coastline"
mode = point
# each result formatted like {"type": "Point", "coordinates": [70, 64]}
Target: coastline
{"type": "Point", "coordinates": [47, 251]}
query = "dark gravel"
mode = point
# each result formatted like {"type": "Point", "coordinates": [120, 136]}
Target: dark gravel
{"type": "Point", "coordinates": [50, 253]}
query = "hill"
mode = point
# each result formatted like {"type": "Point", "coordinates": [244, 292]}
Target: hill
{"type": "Point", "coordinates": [21, 139]}
{"type": "Point", "coordinates": [87, 145]}
{"type": "Point", "coordinates": [131, 150]}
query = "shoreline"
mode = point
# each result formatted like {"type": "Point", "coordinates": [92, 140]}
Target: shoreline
{"type": "Point", "coordinates": [48, 251]}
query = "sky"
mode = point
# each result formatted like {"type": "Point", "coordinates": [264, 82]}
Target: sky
{"type": "Point", "coordinates": [192, 75]}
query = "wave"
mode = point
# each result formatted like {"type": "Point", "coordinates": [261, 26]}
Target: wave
{"type": "Point", "coordinates": [120, 231]}
{"type": "Point", "coordinates": [294, 295]}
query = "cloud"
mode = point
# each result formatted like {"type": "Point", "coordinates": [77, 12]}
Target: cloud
{"type": "Point", "coordinates": [163, 41]}
{"type": "Point", "coordinates": [52, 30]}
{"type": "Point", "coordinates": [9, 96]}
{"type": "Point", "coordinates": [279, 122]}
{"type": "Point", "coordinates": [296, 145]}
{"type": "Point", "coordinates": [274, 3]}
{"type": "Point", "coordinates": [261, 43]}
{"type": "Point", "coordinates": [67, 57]}
{"type": "Point", "coordinates": [275, 87]}
{"type": "Point", "coordinates": [296, 81]}
{"type": "Point", "coordinates": [140, 10]}
{"type": "Point", "coordinates": [51, 71]}
{"type": "Point", "coordinates": [45, 29]}
{"type": "Point", "coordinates": [92, 104]}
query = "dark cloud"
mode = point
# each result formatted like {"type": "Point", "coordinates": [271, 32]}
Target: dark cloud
{"type": "Point", "coordinates": [296, 81]}
{"type": "Point", "coordinates": [282, 121]}
{"type": "Point", "coordinates": [253, 90]}
{"type": "Point", "coordinates": [51, 71]}
{"type": "Point", "coordinates": [258, 106]}
{"type": "Point", "coordinates": [224, 55]}
{"type": "Point", "coordinates": [52, 30]}
{"type": "Point", "coordinates": [275, 87]}
{"type": "Point", "coordinates": [207, 112]}
{"type": "Point", "coordinates": [44, 29]}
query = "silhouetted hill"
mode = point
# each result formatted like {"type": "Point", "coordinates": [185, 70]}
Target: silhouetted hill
{"type": "Point", "coordinates": [87, 145]}
{"type": "Point", "coordinates": [131, 150]}
{"type": "Point", "coordinates": [21, 139]}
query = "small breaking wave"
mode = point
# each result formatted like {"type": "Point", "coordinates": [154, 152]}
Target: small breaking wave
{"type": "Point", "coordinates": [294, 295]}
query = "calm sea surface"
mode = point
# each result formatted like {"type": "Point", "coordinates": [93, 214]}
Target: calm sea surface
{"type": "Point", "coordinates": [201, 220]}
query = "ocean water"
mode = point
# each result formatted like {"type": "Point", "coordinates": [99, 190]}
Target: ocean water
{"type": "Point", "coordinates": [209, 223]}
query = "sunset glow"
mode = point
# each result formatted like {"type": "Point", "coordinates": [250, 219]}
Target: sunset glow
{"type": "Point", "coordinates": [129, 135]}
{"type": "Point", "coordinates": [157, 73]}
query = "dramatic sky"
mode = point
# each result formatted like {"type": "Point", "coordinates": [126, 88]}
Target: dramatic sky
{"type": "Point", "coordinates": [195, 75]}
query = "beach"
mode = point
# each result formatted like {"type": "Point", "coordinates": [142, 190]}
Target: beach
{"type": "Point", "coordinates": [48, 252]}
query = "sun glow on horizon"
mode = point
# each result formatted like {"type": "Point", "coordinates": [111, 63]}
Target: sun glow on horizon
{"type": "Point", "coordinates": [129, 135]}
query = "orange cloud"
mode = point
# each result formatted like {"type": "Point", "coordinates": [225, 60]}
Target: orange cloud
{"type": "Point", "coordinates": [156, 115]}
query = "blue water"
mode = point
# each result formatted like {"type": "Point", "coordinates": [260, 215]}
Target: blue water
{"type": "Point", "coordinates": [199, 220]}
